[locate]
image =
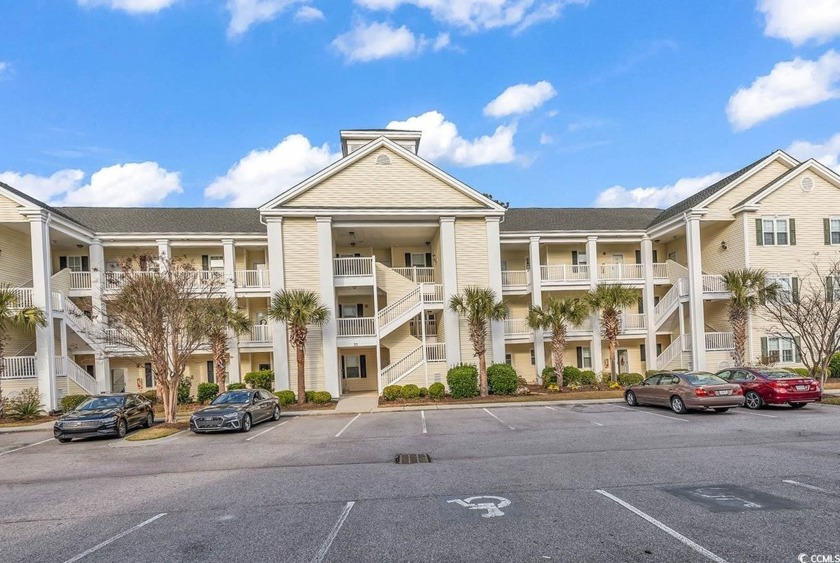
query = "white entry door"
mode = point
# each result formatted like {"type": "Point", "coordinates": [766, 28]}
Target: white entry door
{"type": "Point", "coordinates": [118, 380]}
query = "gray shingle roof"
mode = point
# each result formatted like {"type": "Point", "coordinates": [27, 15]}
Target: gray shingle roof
{"type": "Point", "coordinates": [577, 219]}
{"type": "Point", "coordinates": [166, 219]}
{"type": "Point", "coordinates": [699, 197]}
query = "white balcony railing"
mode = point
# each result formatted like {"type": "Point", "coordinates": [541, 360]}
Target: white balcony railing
{"type": "Point", "coordinates": [19, 367]}
{"type": "Point", "coordinates": [660, 271]}
{"type": "Point", "coordinates": [719, 341]}
{"type": "Point", "coordinates": [115, 280]}
{"type": "Point", "coordinates": [714, 284]}
{"type": "Point", "coordinates": [436, 352]}
{"type": "Point", "coordinates": [64, 366]}
{"type": "Point", "coordinates": [511, 278]}
{"type": "Point", "coordinates": [565, 273]}
{"type": "Point", "coordinates": [670, 353]}
{"type": "Point", "coordinates": [517, 327]}
{"type": "Point", "coordinates": [80, 280]}
{"type": "Point", "coordinates": [23, 297]}
{"type": "Point", "coordinates": [415, 329]}
{"type": "Point", "coordinates": [349, 267]}
{"type": "Point", "coordinates": [432, 293]}
{"type": "Point", "coordinates": [359, 326]}
{"type": "Point", "coordinates": [619, 272]}
{"type": "Point", "coordinates": [260, 333]}
{"type": "Point", "coordinates": [252, 279]}
{"type": "Point", "coordinates": [417, 274]}
{"type": "Point", "coordinates": [632, 321]}
{"type": "Point", "coordinates": [57, 301]}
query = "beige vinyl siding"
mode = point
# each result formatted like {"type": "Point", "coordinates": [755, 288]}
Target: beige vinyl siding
{"type": "Point", "coordinates": [250, 361]}
{"type": "Point", "coordinates": [472, 269]}
{"type": "Point", "coordinates": [193, 255]}
{"type": "Point", "coordinates": [720, 208]}
{"type": "Point", "coordinates": [301, 269]}
{"type": "Point", "coordinates": [521, 360]}
{"type": "Point", "coordinates": [514, 259]}
{"type": "Point", "coordinates": [9, 211]}
{"type": "Point", "coordinates": [561, 253]}
{"type": "Point", "coordinates": [716, 260]}
{"type": "Point", "coordinates": [367, 383]}
{"type": "Point", "coordinates": [118, 255]}
{"type": "Point", "coordinates": [16, 256]}
{"type": "Point", "coordinates": [247, 257]}
{"type": "Point", "coordinates": [401, 184]}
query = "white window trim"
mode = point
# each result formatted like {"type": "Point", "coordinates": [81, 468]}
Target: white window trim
{"type": "Point", "coordinates": [586, 357]}
{"type": "Point", "coordinates": [75, 267]}
{"type": "Point", "coordinates": [778, 340]}
{"type": "Point", "coordinates": [774, 278]}
{"type": "Point", "coordinates": [831, 230]}
{"type": "Point", "coordinates": [775, 219]}
{"type": "Point", "coordinates": [357, 367]}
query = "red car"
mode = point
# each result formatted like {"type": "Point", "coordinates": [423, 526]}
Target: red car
{"type": "Point", "coordinates": [773, 387]}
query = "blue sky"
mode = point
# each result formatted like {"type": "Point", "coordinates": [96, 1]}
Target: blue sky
{"type": "Point", "coordinates": [229, 102]}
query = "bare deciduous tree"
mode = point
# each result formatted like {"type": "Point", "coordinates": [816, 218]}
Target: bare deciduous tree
{"type": "Point", "coordinates": [810, 315]}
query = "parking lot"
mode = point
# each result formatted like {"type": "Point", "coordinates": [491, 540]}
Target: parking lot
{"type": "Point", "coordinates": [562, 483]}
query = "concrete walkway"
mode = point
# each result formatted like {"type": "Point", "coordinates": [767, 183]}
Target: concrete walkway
{"type": "Point", "coordinates": [357, 402]}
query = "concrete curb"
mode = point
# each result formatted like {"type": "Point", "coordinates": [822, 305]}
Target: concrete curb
{"type": "Point", "coordinates": [41, 427]}
{"type": "Point", "coordinates": [126, 444]}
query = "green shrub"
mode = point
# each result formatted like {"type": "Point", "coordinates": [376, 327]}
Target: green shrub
{"type": "Point", "coordinates": [626, 379]}
{"type": "Point", "coordinates": [235, 386]}
{"type": "Point", "coordinates": [437, 391]}
{"type": "Point", "coordinates": [286, 397]}
{"type": "Point", "coordinates": [26, 406]}
{"type": "Point", "coordinates": [263, 379]}
{"type": "Point", "coordinates": [548, 376]}
{"type": "Point", "coordinates": [834, 366]}
{"type": "Point", "coordinates": [588, 377]}
{"type": "Point", "coordinates": [70, 402]}
{"type": "Point", "coordinates": [410, 391]}
{"type": "Point", "coordinates": [801, 372]}
{"type": "Point", "coordinates": [424, 392]}
{"type": "Point", "coordinates": [463, 381]}
{"type": "Point", "coordinates": [184, 387]}
{"type": "Point", "coordinates": [650, 372]}
{"type": "Point", "coordinates": [150, 396]}
{"type": "Point", "coordinates": [392, 392]}
{"type": "Point", "coordinates": [501, 379]}
{"type": "Point", "coordinates": [321, 397]}
{"type": "Point", "coordinates": [207, 392]}
{"type": "Point", "coordinates": [571, 376]}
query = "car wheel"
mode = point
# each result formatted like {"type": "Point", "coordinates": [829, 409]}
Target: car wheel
{"type": "Point", "coordinates": [276, 416]}
{"type": "Point", "coordinates": [677, 405]}
{"type": "Point", "coordinates": [797, 405]}
{"type": "Point", "coordinates": [150, 420]}
{"type": "Point", "coordinates": [64, 440]}
{"type": "Point", "coordinates": [246, 423]}
{"type": "Point", "coordinates": [122, 428]}
{"type": "Point", "coordinates": [630, 397]}
{"type": "Point", "coordinates": [752, 400]}
{"type": "Point", "coordinates": [722, 409]}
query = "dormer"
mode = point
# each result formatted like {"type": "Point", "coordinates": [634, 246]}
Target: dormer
{"type": "Point", "coordinates": [354, 139]}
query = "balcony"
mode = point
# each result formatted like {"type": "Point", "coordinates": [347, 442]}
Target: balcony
{"type": "Point", "coordinates": [565, 274]}
{"type": "Point", "coordinates": [415, 328]}
{"type": "Point", "coordinates": [516, 281]}
{"type": "Point", "coordinates": [353, 271]}
{"type": "Point", "coordinates": [518, 329]}
{"type": "Point", "coordinates": [19, 367]}
{"type": "Point", "coordinates": [632, 322]}
{"type": "Point", "coordinates": [417, 274]}
{"type": "Point", "coordinates": [621, 273]}
{"type": "Point", "coordinates": [252, 280]}
{"type": "Point", "coordinates": [359, 326]}
{"type": "Point", "coordinates": [260, 335]}
{"type": "Point", "coordinates": [80, 283]}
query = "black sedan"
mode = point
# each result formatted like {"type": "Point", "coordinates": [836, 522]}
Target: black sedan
{"type": "Point", "coordinates": [105, 415]}
{"type": "Point", "coordinates": [236, 410]}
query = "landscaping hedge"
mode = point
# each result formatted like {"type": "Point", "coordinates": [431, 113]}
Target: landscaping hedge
{"type": "Point", "coordinates": [70, 402]}
{"type": "Point", "coordinates": [286, 397]}
{"type": "Point", "coordinates": [150, 396]}
{"type": "Point", "coordinates": [392, 392]}
{"type": "Point", "coordinates": [424, 392]}
{"type": "Point", "coordinates": [184, 387]}
{"type": "Point", "coordinates": [801, 372]}
{"type": "Point", "coordinates": [571, 375]}
{"type": "Point", "coordinates": [207, 392]}
{"type": "Point", "coordinates": [321, 397]}
{"type": "Point", "coordinates": [501, 379]}
{"type": "Point", "coordinates": [263, 379]}
{"type": "Point", "coordinates": [834, 366]}
{"type": "Point", "coordinates": [235, 386]}
{"type": "Point", "coordinates": [410, 391]}
{"type": "Point", "coordinates": [626, 379]}
{"type": "Point", "coordinates": [588, 377]}
{"type": "Point", "coordinates": [437, 391]}
{"type": "Point", "coordinates": [548, 376]}
{"type": "Point", "coordinates": [463, 381]}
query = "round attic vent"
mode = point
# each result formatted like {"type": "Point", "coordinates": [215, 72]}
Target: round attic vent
{"type": "Point", "coordinates": [383, 159]}
{"type": "Point", "coordinates": [807, 184]}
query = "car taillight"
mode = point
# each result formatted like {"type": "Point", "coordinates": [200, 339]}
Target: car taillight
{"type": "Point", "coordinates": [779, 385]}
{"type": "Point", "coordinates": [700, 392]}
{"type": "Point", "coordinates": [737, 390]}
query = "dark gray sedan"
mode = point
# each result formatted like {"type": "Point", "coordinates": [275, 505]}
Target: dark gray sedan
{"type": "Point", "coordinates": [236, 410]}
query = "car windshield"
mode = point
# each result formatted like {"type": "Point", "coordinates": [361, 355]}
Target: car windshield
{"type": "Point", "coordinates": [232, 398]}
{"type": "Point", "coordinates": [780, 375]}
{"type": "Point", "coordinates": [703, 379]}
{"type": "Point", "coordinates": [99, 403]}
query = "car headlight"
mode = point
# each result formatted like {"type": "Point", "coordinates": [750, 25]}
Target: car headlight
{"type": "Point", "coordinates": [230, 415]}
{"type": "Point", "coordinates": [109, 420]}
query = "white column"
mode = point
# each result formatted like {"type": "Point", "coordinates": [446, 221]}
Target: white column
{"type": "Point", "coordinates": [276, 273]}
{"type": "Point", "coordinates": [164, 254]}
{"type": "Point", "coordinates": [39, 232]}
{"type": "Point", "coordinates": [494, 262]}
{"type": "Point", "coordinates": [102, 365]}
{"type": "Point", "coordinates": [536, 301]}
{"type": "Point", "coordinates": [451, 323]}
{"type": "Point", "coordinates": [647, 300]}
{"type": "Point", "coordinates": [592, 259]}
{"type": "Point", "coordinates": [695, 292]}
{"type": "Point", "coordinates": [332, 379]}
{"type": "Point", "coordinates": [229, 256]}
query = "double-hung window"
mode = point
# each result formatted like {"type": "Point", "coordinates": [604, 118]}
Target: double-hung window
{"type": "Point", "coordinates": [775, 231]}
{"type": "Point", "coordinates": [780, 350]}
{"type": "Point", "coordinates": [784, 287]}
{"type": "Point", "coordinates": [834, 230]}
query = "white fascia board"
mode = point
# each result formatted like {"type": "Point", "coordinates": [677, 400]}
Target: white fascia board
{"type": "Point", "coordinates": [811, 165]}
{"type": "Point", "coordinates": [359, 213]}
{"type": "Point", "coordinates": [70, 228]}
{"type": "Point", "coordinates": [778, 155]}
{"type": "Point", "coordinates": [176, 239]}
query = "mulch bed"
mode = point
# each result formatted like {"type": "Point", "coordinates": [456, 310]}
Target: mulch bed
{"type": "Point", "coordinates": [310, 407]}
{"type": "Point", "coordinates": [7, 422]}
{"type": "Point", "coordinates": [538, 393]}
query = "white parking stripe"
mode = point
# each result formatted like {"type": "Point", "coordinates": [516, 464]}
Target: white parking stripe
{"type": "Point", "coordinates": [499, 419]}
{"type": "Point", "coordinates": [636, 409]}
{"type": "Point", "coordinates": [597, 423]}
{"type": "Point", "coordinates": [348, 425]}
{"type": "Point", "coordinates": [423, 420]}
{"type": "Point", "coordinates": [550, 408]}
{"type": "Point", "coordinates": [268, 430]}
{"type": "Point", "coordinates": [325, 547]}
{"type": "Point", "coordinates": [29, 446]}
{"type": "Point", "coordinates": [755, 414]}
{"type": "Point", "coordinates": [696, 547]}
{"type": "Point", "coordinates": [114, 538]}
{"type": "Point", "coordinates": [807, 486]}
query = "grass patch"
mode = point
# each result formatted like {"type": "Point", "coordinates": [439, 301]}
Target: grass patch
{"type": "Point", "coordinates": [827, 400]}
{"type": "Point", "coordinates": [832, 384]}
{"type": "Point", "coordinates": [158, 431]}
{"type": "Point", "coordinates": [543, 396]}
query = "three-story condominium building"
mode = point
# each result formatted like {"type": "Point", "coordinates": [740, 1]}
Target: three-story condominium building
{"type": "Point", "coordinates": [386, 238]}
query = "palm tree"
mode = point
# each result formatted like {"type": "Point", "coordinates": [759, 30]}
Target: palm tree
{"type": "Point", "coordinates": [299, 309]}
{"type": "Point", "coordinates": [748, 288]}
{"type": "Point", "coordinates": [12, 316]}
{"type": "Point", "coordinates": [221, 318]}
{"type": "Point", "coordinates": [610, 300]}
{"type": "Point", "coordinates": [557, 315]}
{"type": "Point", "coordinates": [479, 305]}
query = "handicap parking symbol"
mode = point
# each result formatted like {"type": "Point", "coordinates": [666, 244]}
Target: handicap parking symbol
{"type": "Point", "coordinates": [491, 504]}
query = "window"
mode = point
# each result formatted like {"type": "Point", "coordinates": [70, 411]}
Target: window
{"type": "Point", "coordinates": [418, 259]}
{"type": "Point", "coordinates": [584, 357]}
{"type": "Point", "coordinates": [776, 231]}
{"type": "Point", "coordinates": [834, 230]}
{"type": "Point", "coordinates": [642, 356]}
{"type": "Point", "coordinates": [150, 377]}
{"type": "Point", "coordinates": [533, 358]}
{"type": "Point", "coordinates": [583, 259]}
{"type": "Point", "coordinates": [350, 311]}
{"type": "Point", "coordinates": [784, 287]}
{"type": "Point", "coordinates": [74, 263]}
{"type": "Point", "coordinates": [780, 350]}
{"type": "Point", "coordinates": [353, 366]}
{"type": "Point", "coordinates": [211, 372]}
{"type": "Point", "coordinates": [509, 359]}
{"type": "Point", "coordinates": [264, 367]}
{"type": "Point", "coordinates": [672, 256]}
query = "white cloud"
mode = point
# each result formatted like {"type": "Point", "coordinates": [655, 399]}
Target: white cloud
{"type": "Point", "coordinates": [306, 14]}
{"type": "Point", "coordinates": [245, 13]}
{"type": "Point", "coordinates": [800, 21]}
{"type": "Point", "coordinates": [546, 139]}
{"type": "Point", "coordinates": [4, 66]}
{"type": "Point", "coordinates": [827, 153]}
{"type": "Point", "coordinates": [130, 6]}
{"type": "Point", "coordinates": [121, 185]}
{"type": "Point", "coordinates": [520, 98]}
{"type": "Point", "coordinates": [662, 197]}
{"type": "Point", "coordinates": [790, 85]}
{"type": "Point", "coordinates": [374, 41]}
{"type": "Point", "coordinates": [263, 174]}
{"type": "Point", "coordinates": [475, 15]}
{"type": "Point", "coordinates": [442, 41]}
{"type": "Point", "coordinates": [442, 143]}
